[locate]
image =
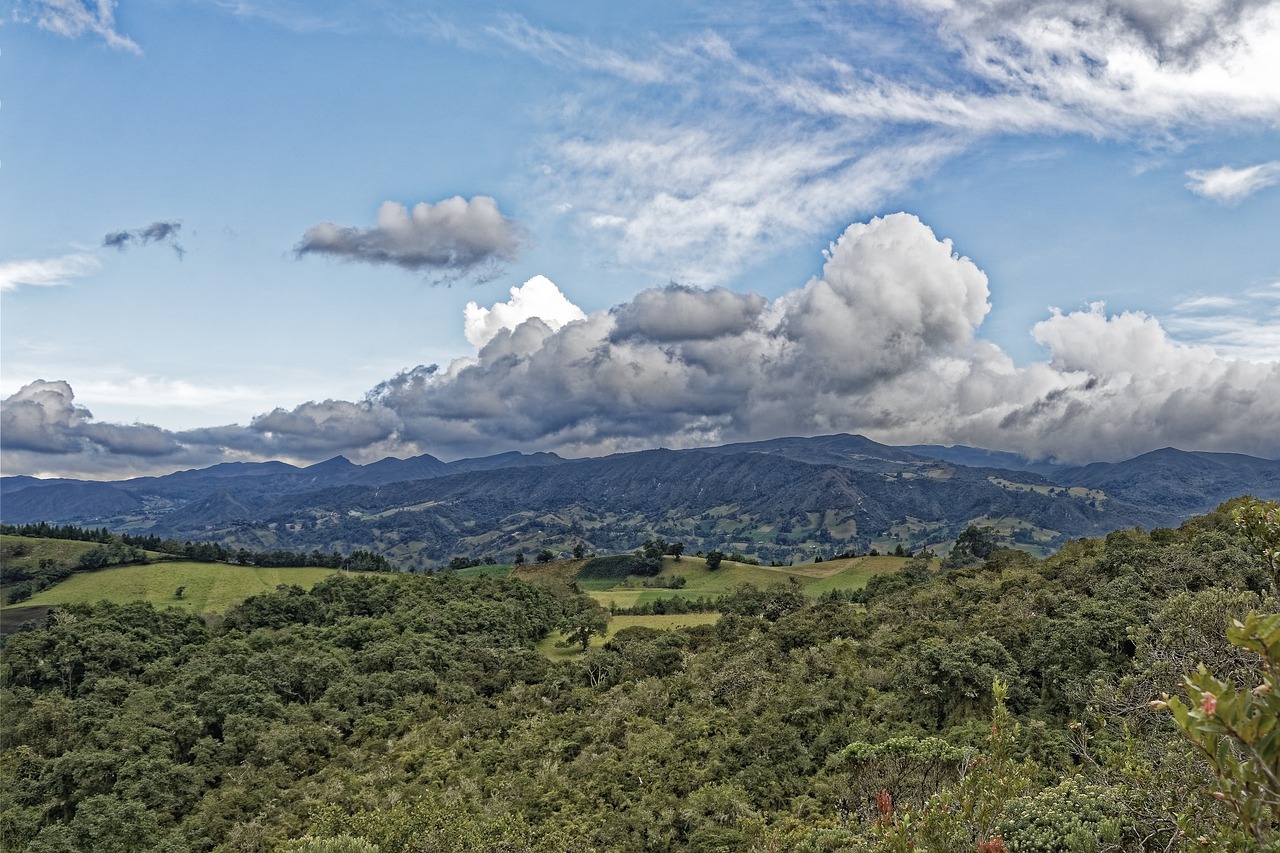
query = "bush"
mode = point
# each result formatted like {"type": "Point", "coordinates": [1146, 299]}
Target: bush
{"type": "Point", "coordinates": [618, 567]}
{"type": "Point", "coordinates": [1073, 817]}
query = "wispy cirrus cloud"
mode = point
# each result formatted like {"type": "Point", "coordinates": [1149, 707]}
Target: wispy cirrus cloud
{"type": "Point", "coordinates": [576, 52]}
{"type": "Point", "coordinates": [1229, 185]}
{"type": "Point", "coordinates": [1245, 325]}
{"type": "Point", "coordinates": [451, 238]}
{"type": "Point", "coordinates": [752, 135]}
{"type": "Point", "coordinates": [75, 18]}
{"type": "Point", "coordinates": [47, 272]}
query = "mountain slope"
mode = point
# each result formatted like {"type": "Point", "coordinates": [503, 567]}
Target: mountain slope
{"type": "Point", "coordinates": [779, 499]}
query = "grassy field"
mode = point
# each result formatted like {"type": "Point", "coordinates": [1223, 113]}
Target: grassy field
{"type": "Point", "coordinates": [814, 578]}
{"type": "Point", "coordinates": [494, 571]}
{"type": "Point", "coordinates": [209, 587]}
{"type": "Point", "coordinates": [28, 551]}
{"type": "Point", "coordinates": [549, 648]}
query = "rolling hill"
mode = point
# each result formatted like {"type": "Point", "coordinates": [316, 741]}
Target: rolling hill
{"type": "Point", "coordinates": [783, 500]}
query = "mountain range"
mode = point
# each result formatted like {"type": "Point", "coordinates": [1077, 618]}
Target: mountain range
{"type": "Point", "coordinates": [779, 500]}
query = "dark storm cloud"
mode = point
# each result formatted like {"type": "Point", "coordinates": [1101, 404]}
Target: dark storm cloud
{"type": "Point", "coordinates": [454, 237]}
{"type": "Point", "coordinates": [162, 232]}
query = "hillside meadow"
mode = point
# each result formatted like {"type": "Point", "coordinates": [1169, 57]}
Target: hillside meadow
{"type": "Point", "coordinates": [26, 552]}
{"type": "Point", "coordinates": [556, 648]}
{"type": "Point", "coordinates": [207, 587]}
{"type": "Point", "coordinates": [813, 579]}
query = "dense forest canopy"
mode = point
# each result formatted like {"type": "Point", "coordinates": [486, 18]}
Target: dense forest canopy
{"type": "Point", "coordinates": [1009, 704]}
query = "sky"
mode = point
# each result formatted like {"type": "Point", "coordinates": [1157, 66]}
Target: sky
{"type": "Point", "coordinates": [236, 230]}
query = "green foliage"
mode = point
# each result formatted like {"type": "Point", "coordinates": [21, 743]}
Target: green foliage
{"type": "Point", "coordinates": [334, 844]}
{"type": "Point", "coordinates": [1073, 816]}
{"type": "Point", "coordinates": [973, 545]}
{"type": "Point", "coordinates": [968, 813]}
{"type": "Point", "coordinates": [619, 567]}
{"type": "Point", "coordinates": [1237, 728]}
{"type": "Point", "coordinates": [1260, 523]}
{"type": "Point", "coordinates": [425, 824]}
{"type": "Point", "coordinates": [585, 619]}
{"type": "Point", "coordinates": [406, 712]}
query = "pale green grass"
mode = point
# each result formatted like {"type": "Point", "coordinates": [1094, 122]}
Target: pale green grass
{"type": "Point", "coordinates": [28, 551]}
{"type": "Point", "coordinates": [209, 587]}
{"type": "Point", "coordinates": [814, 578]}
{"type": "Point", "coordinates": [549, 648]}
{"type": "Point", "coordinates": [484, 571]}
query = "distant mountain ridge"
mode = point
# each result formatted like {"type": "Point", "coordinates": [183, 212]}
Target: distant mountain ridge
{"type": "Point", "coordinates": [777, 499]}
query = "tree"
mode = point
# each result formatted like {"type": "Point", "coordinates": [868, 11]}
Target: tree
{"type": "Point", "coordinates": [714, 559]}
{"type": "Point", "coordinates": [579, 551]}
{"type": "Point", "coordinates": [653, 549]}
{"type": "Point", "coordinates": [180, 592]}
{"type": "Point", "coordinates": [587, 620]}
{"type": "Point", "coordinates": [546, 555]}
{"type": "Point", "coordinates": [974, 545]}
{"type": "Point", "coordinates": [676, 549]}
{"type": "Point", "coordinates": [1259, 521]}
{"type": "Point", "coordinates": [1238, 728]}
{"type": "Point", "coordinates": [519, 560]}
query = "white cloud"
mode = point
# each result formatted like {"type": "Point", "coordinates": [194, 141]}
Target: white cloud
{"type": "Point", "coordinates": [46, 272]}
{"type": "Point", "coordinates": [1228, 185]}
{"type": "Point", "coordinates": [581, 53]}
{"type": "Point", "coordinates": [537, 297]}
{"type": "Point", "coordinates": [1122, 65]}
{"type": "Point", "coordinates": [74, 18]}
{"type": "Point", "coordinates": [1246, 326]}
{"type": "Point", "coordinates": [706, 152]}
{"type": "Point", "coordinates": [699, 206]}
{"type": "Point", "coordinates": [884, 342]}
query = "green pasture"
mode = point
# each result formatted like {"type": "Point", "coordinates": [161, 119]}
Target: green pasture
{"type": "Point", "coordinates": [28, 551]}
{"type": "Point", "coordinates": [549, 649]}
{"type": "Point", "coordinates": [209, 587]}
{"type": "Point", "coordinates": [814, 579]}
{"type": "Point", "coordinates": [497, 571]}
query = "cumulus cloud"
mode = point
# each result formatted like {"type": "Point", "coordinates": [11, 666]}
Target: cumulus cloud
{"type": "Point", "coordinates": [883, 342]}
{"type": "Point", "coordinates": [1228, 185]}
{"type": "Point", "coordinates": [49, 271]}
{"type": "Point", "coordinates": [451, 238]}
{"type": "Point", "coordinates": [165, 233]}
{"type": "Point", "coordinates": [74, 18]}
{"type": "Point", "coordinates": [537, 297]}
{"type": "Point", "coordinates": [331, 426]}
{"type": "Point", "coordinates": [42, 417]}
{"type": "Point", "coordinates": [682, 313]}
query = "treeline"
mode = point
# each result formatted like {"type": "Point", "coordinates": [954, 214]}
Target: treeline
{"type": "Point", "coordinates": [209, 552]}
{"type": "Point", "coordinates": [1009, 704]}
{"type": "Point", "coordinates": [23, 575]}
{"type": "Point", "coordinates": [44, 530]}
{"type": "Point", "coordinates": [212, 552]}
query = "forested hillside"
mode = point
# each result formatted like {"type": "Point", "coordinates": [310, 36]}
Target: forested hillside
{"type": "Point", "coordinates": [1003, 705]}
{"type": "Point", "coordinates": [783, 500]}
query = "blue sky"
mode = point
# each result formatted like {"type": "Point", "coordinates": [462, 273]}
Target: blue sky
{"type": "Point", "coordinates": [243, 230]}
